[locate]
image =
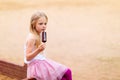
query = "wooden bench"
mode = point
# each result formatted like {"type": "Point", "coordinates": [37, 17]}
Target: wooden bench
{"type": "Point", "coordinates": [13, 70]}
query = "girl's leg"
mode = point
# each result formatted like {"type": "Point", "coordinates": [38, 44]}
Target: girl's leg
{"type": "Point", "coordinates": [63, 78]}
{"type": "Point", "coordinates": [67, 75]}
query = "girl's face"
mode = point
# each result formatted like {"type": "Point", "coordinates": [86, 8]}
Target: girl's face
{"type": "Point", "coordinates": [41, 24]}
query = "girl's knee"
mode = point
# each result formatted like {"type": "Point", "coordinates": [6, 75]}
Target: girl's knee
{"type": "Point", "coordinates": [69, 71]}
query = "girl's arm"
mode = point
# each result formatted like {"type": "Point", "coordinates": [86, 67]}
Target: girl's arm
{"type": "Point", "coordinates": [30, 54]}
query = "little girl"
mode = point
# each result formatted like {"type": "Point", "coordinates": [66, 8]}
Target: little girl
{"type": "Point", "coordinates": [38, 66]}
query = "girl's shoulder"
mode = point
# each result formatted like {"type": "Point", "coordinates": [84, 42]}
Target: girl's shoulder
{"type": "Point", "coordinates": [30, 41]}
{"type": "Point", "coordinates": [30, 37]}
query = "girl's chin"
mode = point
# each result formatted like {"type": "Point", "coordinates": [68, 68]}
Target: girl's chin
{"type": "Point", "coordinates": [39, 32]}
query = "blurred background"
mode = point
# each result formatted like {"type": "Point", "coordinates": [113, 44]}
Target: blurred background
{"type": "Point", "coordinates": [82, 34]}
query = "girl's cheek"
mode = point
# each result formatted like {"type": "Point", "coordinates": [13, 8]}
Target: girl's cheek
{"type": "Point", "coordinates": [40, 29]}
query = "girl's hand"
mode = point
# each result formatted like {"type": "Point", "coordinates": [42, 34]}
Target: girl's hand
{"type": "Point", "coordinates": [41, 47]}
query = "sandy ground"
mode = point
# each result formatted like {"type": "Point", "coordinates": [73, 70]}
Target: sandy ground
{"type": "Point", "coordinates": [83, 35]}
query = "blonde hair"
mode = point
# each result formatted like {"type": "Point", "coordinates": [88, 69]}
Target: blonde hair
{"type": "Point", "coordinates": [33, 22]}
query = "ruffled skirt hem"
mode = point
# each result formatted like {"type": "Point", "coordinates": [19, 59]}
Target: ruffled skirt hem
{"type": "Point", "coordinates": [46, 70]}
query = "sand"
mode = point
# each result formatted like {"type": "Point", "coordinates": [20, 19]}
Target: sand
{"type": "Point", "coordinates": [83, 35]}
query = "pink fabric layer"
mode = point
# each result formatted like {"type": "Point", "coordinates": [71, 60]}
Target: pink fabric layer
{"type": "Point", "coordinates": [46, 70]}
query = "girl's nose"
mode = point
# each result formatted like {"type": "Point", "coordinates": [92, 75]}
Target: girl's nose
{"type": "Point", "coordinates": [44, 27]}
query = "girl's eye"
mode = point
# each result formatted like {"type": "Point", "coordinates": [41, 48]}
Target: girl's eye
{"type": "Point", "coordinates": [40, 23]}
{"type": "Point", "coordinates": [45, 23]}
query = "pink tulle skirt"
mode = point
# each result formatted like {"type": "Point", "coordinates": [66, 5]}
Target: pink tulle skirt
{"type": "Point", "coordinates": [46, 70]}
